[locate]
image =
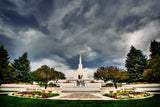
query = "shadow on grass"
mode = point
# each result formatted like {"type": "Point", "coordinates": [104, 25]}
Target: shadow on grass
{"type": "Point", "coordinates": [10, 101]}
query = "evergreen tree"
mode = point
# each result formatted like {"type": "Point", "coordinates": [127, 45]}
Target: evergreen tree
{"type": "Point", "coordinates": [135, 64]}
{"type": "Point", "coordinates": [4, 61]}
{"type": "Point", "coordinates": [22, 68]}
{"type": "Point", "coordinates": [154, 49]}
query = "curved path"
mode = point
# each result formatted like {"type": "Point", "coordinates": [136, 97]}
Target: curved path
{"type": "Point", "coordinates": [81, 96]}
{"type": "Point", "coordinates": [88, 96]}
{"type": "Point", "coordinates": [94, 95]}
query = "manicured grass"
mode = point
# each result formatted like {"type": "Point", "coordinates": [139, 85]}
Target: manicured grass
{"type": "Point", "coordinates": [154, 91]}
{"type": "Point", "coordinates": [10, 101]}
{"type": "Point", "coordinates": [6, 91]}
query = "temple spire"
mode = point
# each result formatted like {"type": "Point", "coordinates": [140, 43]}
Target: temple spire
{"type": "Point", "coordinates": [80, 62]}
{"type": "Point", "coordinates": [80, 59]}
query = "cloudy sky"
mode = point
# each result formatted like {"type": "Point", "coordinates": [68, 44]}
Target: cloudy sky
{"type": "Point", "coordinates": [53, 32]}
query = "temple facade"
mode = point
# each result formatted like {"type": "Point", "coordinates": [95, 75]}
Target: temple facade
{"type": "Point", "coordinates": [80, 78]}
{"type": "Point", "coordinates": [80, 73]}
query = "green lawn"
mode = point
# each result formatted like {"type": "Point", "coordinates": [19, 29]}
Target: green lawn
{"type": "Point", "coordinates": [10, 101]}
{"type": "Point", "coordinates": [6, 91]}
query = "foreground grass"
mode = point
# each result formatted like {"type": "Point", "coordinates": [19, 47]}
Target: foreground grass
{"type": "Point", "coordinates": [6, 91]}
{"type": "Point", "coordinates": [10, 101]}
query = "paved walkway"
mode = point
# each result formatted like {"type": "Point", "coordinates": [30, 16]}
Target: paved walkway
{"type": "Point", "coordinates": [80, 95]}
{"type": "Point", "coordinates": [85, 96]}
{"type": "Point", "coordinates": [92, 95]}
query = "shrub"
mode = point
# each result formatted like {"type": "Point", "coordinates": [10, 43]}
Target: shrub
{"type": "Point", "coordinates": [54, 95]}
{"type": "Point", "coordinates": [109, 85]}
{"type": "Point", "coordinates": [92, 81]}
{"type": "Point", "coordinates": [36, 92]}
{"type": "Point", "coordinates": [41, 84]}
{"type": "Point", "coordinates": [52, 85]}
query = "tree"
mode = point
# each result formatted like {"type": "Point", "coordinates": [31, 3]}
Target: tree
{"type": "Point", "coordinates": [4, 61]}
{"type": "Point", "coordinates": [135, 64]}
{"type": "Point", "coordinates": [110, 73]}
{"type": "Point", "coordinates": [44, 70]}
{"type": "Point", "coordinates": [22, 68]}
{"type": "Point", "coordinates": [45, 74]}
{"type": "Point", "coordinates": [152, 73]}
{"type": "Point", "coordinates": [9, 74]}
{"type": "Point", "coordinates": [154, 49]}
{"type": "Point", "coordinates": [59, 75]}
{"type": "Point", "coordinates": [101, 74]}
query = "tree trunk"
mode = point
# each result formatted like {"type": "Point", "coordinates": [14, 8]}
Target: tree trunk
{"type": "Point", "coordinates": [46, 81]}
{"type": "Point", "coordinates": [115, 85]}
{"type": "Point", "coordinates": [46, 86]}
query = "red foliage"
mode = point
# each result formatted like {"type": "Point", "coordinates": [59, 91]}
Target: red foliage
{"type": "Point", "coordinates": [44, 96]}
{"type": "Point", "coordinates": [26, 92]}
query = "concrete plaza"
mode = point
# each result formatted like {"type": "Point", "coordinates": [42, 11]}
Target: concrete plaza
{"type": "Point", "coordinates": [84, 93]}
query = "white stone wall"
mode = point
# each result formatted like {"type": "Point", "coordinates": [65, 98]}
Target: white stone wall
{"type": "Point", "coordinates": [80, 72]}
{"type": "Point", "coordinates": [94, 84]}
{"type": "Point", "coordinates": [66, 84]}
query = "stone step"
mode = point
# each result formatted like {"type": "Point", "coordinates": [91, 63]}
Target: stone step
{"type": "Point", "coordinates": [11, 89]}
{"type": "Point", "coordinates": [80, 89]}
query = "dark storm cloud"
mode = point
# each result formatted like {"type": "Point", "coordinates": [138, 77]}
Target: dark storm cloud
{"type": "Point", "coordinates": [13, 18]}
{"type": "Point", "coordinates": [26, 13]}
{"type": "Point", "coordinates": [54, 31]}
{"type": "Point", "coordinates": [129, 20]}
{"type": "Point", "coordinates": [6, 4]}
{"type": "Point", "coordinates": [7, 42]}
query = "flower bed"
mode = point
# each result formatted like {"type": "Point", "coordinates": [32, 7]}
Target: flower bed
{"type": "Point", "coordinates": [137, 83]}
{"type": "Point", "coordinates": [111, 85]}
{"type": "Point", "coordinates": [22, 83]}
{"type": "Point", "coordinates": [34, 94]}
{"type": "Point", "coordinates": [127, 95]}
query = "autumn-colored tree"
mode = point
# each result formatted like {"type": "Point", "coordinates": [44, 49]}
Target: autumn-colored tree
{"type": "Point", "coordinates": [152, 73]}
{"type": "Point", "coordinates": [45, 74]}
{"type": "Point", "coordinates": [110, 73]}
{"type": "Point", "coordinates": [100, 74]}
{"type": "Point", "coordinates": [42, 74]}
{"type": "Point", "coordinates": [58, 75]}
{"type": "Point", "coordinates": [9, 74]}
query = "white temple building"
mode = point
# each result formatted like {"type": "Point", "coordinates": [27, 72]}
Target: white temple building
{"type": "Point", "coordinates": [80, 78]}
{"type": "Point", "coordinates": [80, 73]}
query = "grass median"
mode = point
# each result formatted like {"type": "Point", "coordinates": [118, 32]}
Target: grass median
{"type": "Point", "coordinates": [10, 101]}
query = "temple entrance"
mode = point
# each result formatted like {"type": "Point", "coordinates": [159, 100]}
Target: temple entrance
{"type": "Point", "coordinates": [80, 81]}
{"type": "Point", "coordinates": [80, 76]}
